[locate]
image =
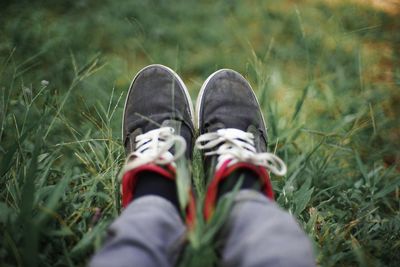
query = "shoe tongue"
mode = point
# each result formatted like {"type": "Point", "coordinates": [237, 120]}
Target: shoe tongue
{"type": "Point", "coordinates": [141, 125]}
{"type": "Point", "coordinates": [183, 130]}
{"type": "Point", "coordinates": [215, 127]}
{"type": "Point", "coordinates": [173, 124]}
{"type": "Point", "coordinates": [260, 140]}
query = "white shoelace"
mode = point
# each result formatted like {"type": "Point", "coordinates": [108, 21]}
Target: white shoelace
{"type": "Point", "coordinates": [238, 146]}
{"type": "Point", "coordinates": [154, 146]}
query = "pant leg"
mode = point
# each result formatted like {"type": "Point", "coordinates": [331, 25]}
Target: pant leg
{"type": "Point", "coordinates": [259, 233]}
{"type": "Point", "coordinates": [149, 232]}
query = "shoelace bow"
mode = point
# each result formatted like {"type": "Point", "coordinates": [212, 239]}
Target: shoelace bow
{"type": "Point", "coordinates": [238, 146]}
{"type": "Point", "coordinates": [153, 147]}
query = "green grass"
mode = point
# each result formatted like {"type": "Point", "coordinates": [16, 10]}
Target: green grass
{"type": "Point", "coordinates": [327, 77]}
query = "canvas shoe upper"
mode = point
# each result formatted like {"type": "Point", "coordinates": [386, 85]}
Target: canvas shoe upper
{"type": "Point", "coordinates": [157, 97]}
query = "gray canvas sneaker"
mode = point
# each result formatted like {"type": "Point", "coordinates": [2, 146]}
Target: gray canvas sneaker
{"type": "Point", "coordinates": [157, 126]}
{"type": "Point", "coordinates": [232, 134]}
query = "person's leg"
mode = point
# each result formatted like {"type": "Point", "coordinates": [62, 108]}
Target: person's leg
{"type": "Point", "coordinates": [233, 136]}
{"type": "Point", "coordinates": [149, 232]}
{"type": "Point", "coordinates": [259, 233]}
{"type": "Point", "coordinates": [158, 114]}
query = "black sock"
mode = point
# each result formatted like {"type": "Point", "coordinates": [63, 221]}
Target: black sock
{"type": "Point", "coordinates": [250, 181]}
{"type": "Point", "coordinates": [151, 183]}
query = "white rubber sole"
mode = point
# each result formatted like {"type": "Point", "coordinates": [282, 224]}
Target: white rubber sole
{"type": "Point", "coordinates": [199, 100]}
{"type": "Point", "coordinates": [186, 91]}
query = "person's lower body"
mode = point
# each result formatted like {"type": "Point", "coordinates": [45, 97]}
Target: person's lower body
{"type": "Point", "coordinates": [157, 127]}
{"type": "Point", "coordinates": [150, 232]}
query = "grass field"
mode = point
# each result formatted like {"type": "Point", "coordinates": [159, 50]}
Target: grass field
{"type": "Point", "coordinates": [327, 74]}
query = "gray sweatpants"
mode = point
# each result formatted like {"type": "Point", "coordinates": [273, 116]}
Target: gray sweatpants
{"type": "Point", "coordinates": [150, 232]}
